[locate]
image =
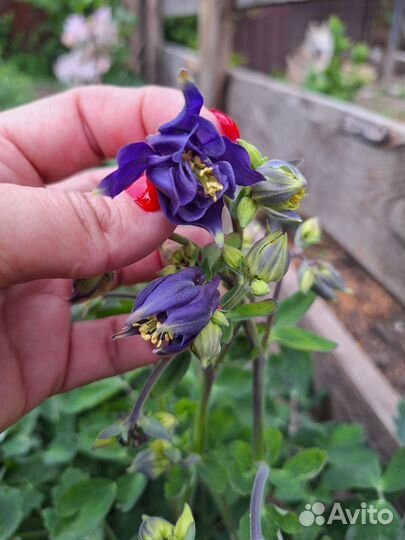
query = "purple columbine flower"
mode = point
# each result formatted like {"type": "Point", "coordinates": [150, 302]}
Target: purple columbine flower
{"type": "Point", "coordinates": [190, 164]}
{"type": "Point", "coordinates": [171, 311]}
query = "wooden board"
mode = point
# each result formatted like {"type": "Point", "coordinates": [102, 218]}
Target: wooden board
{"type": "Point", "coordinates": [182, 8]}
{"type": "Point", "coordinates": [354, 161]}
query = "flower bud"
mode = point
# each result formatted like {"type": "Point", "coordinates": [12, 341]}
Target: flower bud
{"type": "Point", "coordinates": [84, 289]}
{"type": "Point", "coordinates": [185, 526]}
{"type": "Point", "coordinates": [308, 233]}
{"type": "Point", "coordinates": [280, 196]}
{"type": "Point", "coordinates": [219, 318]}
{"type": "Point", "coordinates": [256, 158]}
{"type": "Point", "coordinates": [326, 281]}
{"type": "Point", "coordinates": [207, 345]}
{"type": "Point", "coordinates": [155, 528]}
{"type": "Point", "coordinates": [259, 287]}
{"type": "Point", "coordinates": [167, 420]}
{"type": "Point", "coordinates": [232, 256]}
{"type": "Point", "coordinates": [246, 210]}
{"type": "Point", "coordinates": [268, 259]}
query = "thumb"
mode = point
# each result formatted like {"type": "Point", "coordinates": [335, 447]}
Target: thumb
{"type": "Point", "coordinates": [57, 234]}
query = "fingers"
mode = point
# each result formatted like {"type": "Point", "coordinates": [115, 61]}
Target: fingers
{"type": "Point", "coordinates": [94, 355]}
{"type": "Point", "coordinates": [59, 234]}
{"type": "Point", "coordinates": [55, 137]}
{"type": "Point", "coordinates": [84, 181]}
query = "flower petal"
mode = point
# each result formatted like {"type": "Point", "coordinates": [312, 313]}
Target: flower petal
{"type": "Point", "coordinates": [237, 156]}
{"type": "Point", "coordinates": [132, 161]}
{"type": "Point", "coordinates": [189, 114]}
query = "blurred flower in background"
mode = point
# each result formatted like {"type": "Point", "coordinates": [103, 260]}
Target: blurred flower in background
{"type": "Point", "coordinates": [92, 41]}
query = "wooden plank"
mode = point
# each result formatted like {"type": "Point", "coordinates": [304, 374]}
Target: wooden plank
{"type": "Point", "coordinates": [182, 8]}
{"type": "Point", "coordinates": [153, 36]}
{"type": "Point", "coordinates": [215, 31]}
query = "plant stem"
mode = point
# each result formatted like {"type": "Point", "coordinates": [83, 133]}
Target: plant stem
{"type": "Point", "coordinates": [180, 239]}
{"type": "Point", "coordinates": [270, 318]}
{"type": "Point", "coordinates": [226, 514]}
{"type": "Point", "coordinates": [110, 533]}
{"type": "Point", "coordinates": [120, 295]}
{"type": "Point", "coordinates": [257, 500]}
{"type": "Point", "coordinates": [258, 384]}
{"type": "Point", "coordinates": [145, 392]}
{"type": "Point", "coordinates": [201, 423]}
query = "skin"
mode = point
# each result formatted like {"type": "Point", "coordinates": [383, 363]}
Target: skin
{"type": "Point", "coordinates": [53, 229]}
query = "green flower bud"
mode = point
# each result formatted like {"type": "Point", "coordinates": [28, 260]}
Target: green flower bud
{"type": "Point", "coordinates": [185, 526]}
{"type": "Point", "coordinates": [84, 289]}
{"type": "Point", "coordinates": [280, 196]}
{"type": "Point", "coordinates": [232, 256]}
{"type": "Point", "coordinates": [219, 318]}
{"type": "Point", "coordinates": [167, 420]}
{"type": "Point", "coordinates": [155, 528]}
{"type": "Point", "coordinates": [246, 211]}
{"type": "Point", "coordinates": [207, 345]}
{"type": "Point", "coordinates": [268, 259]}
{"type": "Point", "coordinates": [306, 278]}
{"type": "Point", "coordinates": [326, 281]}
{"type": "Point", "coordinates": [256, 158]}
{"type": "Point", "coordinates": [259, 287]}
{"type": "Point", "coordinates": [308, 233]}
{"type": "Point", "coordinates": [168, 270]}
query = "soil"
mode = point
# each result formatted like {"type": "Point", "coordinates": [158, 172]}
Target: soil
{"type": "Point", "coordinates": [371, 314]}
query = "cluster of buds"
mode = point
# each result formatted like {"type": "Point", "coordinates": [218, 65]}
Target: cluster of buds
{"type": "Point", "coordinates": [157, 528]}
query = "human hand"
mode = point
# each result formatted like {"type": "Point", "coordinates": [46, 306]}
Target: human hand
{"type": "Point", "coordinates": [62, 231]}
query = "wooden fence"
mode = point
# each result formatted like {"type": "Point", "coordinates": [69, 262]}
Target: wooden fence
{"type": "Point", "coordinates": [354, 160]}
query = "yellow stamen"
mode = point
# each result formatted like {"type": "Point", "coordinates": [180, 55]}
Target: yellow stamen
{"type": "Point", "coordinates": [204, 175]}
{"type": "Point", "coordinates": [149, 330]}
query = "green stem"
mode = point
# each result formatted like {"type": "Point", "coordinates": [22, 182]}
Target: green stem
{"type": "Point", "coordinates": [226, 514]}
{"type": "Point", "coordinates": [110, 533]}
{"type": "Point", "coordinates": [258, 395]}
{"type": "Point", "coordinates": [201, 420]}
{"type": "Point", "coordinates": [180, 239]}
{"type": "Point", "coordinates": [270, 318]}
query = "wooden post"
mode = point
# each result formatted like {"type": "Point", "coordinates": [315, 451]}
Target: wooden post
{"type": "Point", "coordinates": [152, 31]}
{"type": "Point", "coordinates": [135, 62]}
{"type": "Point", "coordinates": [393, 53]}
{"type": "Point", "coordinates": [215, 37]}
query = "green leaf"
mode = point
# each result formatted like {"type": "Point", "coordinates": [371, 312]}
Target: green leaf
{"type": "Point", "coordinates": [292, 310]}
{"type": "Point", "coordinates": [91, 395]}
{"type": "Point", "coordinates": [281, 519]}
{"type": "Point", "coordinates": [61, 450]}
{"type": "Point", "coordinates": [248, 311]}
{"type": "Point", "coordinates": [300, 339]}
{"type": "Point", "coordinates": [129, 489]}
{"type": "Point", "coordinates": [362, 470]}
{"type": "Point", "coordinates": [240, 467]}
{"type": "Point", "coordinates": [81, 508]}
{"type": "Point", "coordinates": [306, 464]}
{"type": "Point", "coordinates": [273, 441]}
{"type": "Point", "coordinates": [11, 511]}
{"type": "Point", "coordinates": [394, 476]}
{"type": "Point", "coordinates": [213, 473]}
{"type": "Point", "coordinates": [378, 531]}
{"type": "Point", "coordinates": [172, 375]}
{"type": "Point", "coordinates": [178, 480]}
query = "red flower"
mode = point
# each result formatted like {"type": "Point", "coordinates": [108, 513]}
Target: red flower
{"type": "Point", "coordinates": [228, 127]}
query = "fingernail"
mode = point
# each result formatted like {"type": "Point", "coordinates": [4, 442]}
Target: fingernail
{"type": "Point", "coordinates": [144, 194]}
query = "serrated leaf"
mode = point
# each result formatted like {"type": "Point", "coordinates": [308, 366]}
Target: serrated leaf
{"type": "Point", "coordinates": [249, 311]}
{"type": "Point", "coordinates": [129, 489]}
{"type": "Point", "coordinates": [300, 339]}
{"type": "Point", "coordinates": [11, 511]}
{"type": "Point", "coordinates": [273, 441]}
{"type": "Point", "coordinates": [306, 464]}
